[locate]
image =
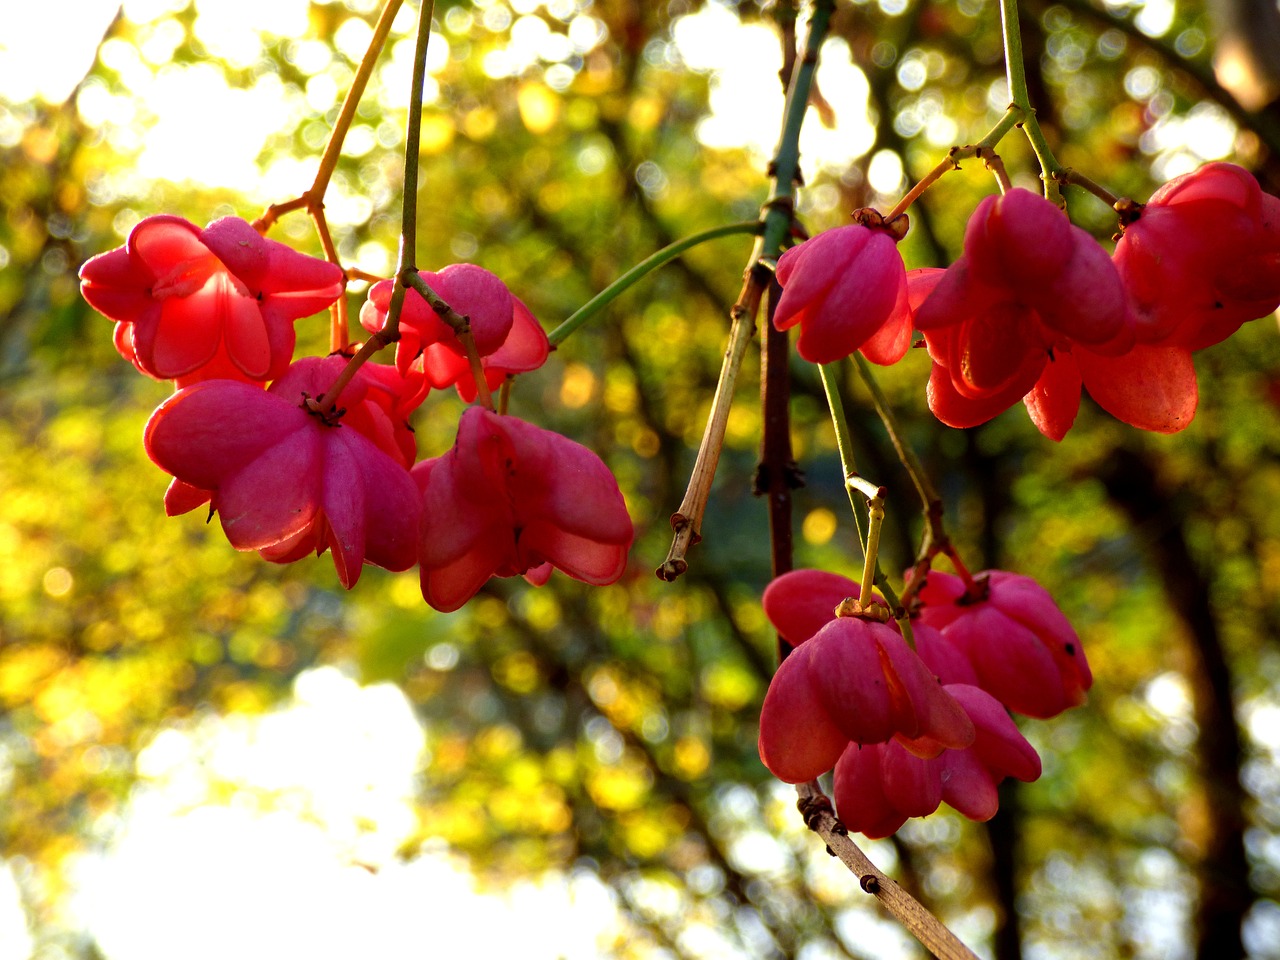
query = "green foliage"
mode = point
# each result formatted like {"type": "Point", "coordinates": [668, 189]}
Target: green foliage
{"type": "Point", "coordinates": [614, 728]}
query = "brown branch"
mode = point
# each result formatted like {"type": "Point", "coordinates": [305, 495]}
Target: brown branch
{"type": "Point", "coordinates": [906, 909]}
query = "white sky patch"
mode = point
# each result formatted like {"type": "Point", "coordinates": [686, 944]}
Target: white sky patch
{"type": "Point", "coordinates": [300, 859]}
{"type": "Point", "coordinates": [30, 67]}
{"type": "Point", "coordinates": [746, 99]}
{"type": "Point", "coordinates": [16, 941]}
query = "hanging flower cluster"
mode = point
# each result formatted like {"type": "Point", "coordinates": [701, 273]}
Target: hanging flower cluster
{"type": "Point", "coordinates": [907, 730]}
{"type": "Point", "coordinates": [291, 471]}
{"type": "Point", "coordinates": [1035, 309]}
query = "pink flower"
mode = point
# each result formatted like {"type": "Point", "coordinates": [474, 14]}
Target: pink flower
{"type": "Point", "coordinates": [878, 787]}
{"type": "Point", "coordinates": [847, 290]}
{"type": "Point", "coordinates": [1201, 257]}
{"type": "Point", "coordinates": [498, 320]}
{"type": "Point", "coordinates": [194, 304]}
{"type": "Point", "coordinates": [1035, 310]}
{"type": "Point", "coordinates": [284, 481]}
{"type": "Point", "coordinates": [442, 365]}
{"type": "Point", "coordinates": [1022, 648]}
{"type": "Point", "coordinates": [510, 498]}
{"type": "Point", "coordinates": [854, 680]}
{"type": "Point", "coordinates": [802, 602]}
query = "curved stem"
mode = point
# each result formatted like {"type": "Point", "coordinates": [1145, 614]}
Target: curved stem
{"type": "Point", "coordinates": [641, 270]}
{"type": "Point", "coordinates": [1016, 74]}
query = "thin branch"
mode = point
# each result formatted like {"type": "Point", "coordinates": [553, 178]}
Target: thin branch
{"type": "Point", "coordinates": [906, 909]}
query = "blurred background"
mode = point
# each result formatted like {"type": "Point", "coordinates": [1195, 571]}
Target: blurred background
{"type": "Point", "coordinates": [205, 755]}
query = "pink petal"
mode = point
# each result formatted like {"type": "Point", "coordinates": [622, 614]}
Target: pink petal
{"type": "Point", "coordinates": [115, 285]}
{"type": "Point", "coordinates": [477, 294]}
{"type": "Point", "coordinates": [798, 741]}
{"type": "Point", "coordinates": [343, 500]}
{"type": "Point", "coordinates": [802, 602]}
{"type": "Point", "coordinates": [859, 793]}
{"type": "Point", "coordinates": [276, 495]}
{"type": "Point", "coordinates": [968, 786]}
{"type": "Point", "coordinates": [808, 271]}
{"type": "Point", "coordinates": [998, 744]}
{"type": "Point", "coordinates": [1150, 387]}
{"type": "Point", "coordinates": [581, 557]}
{"type": "Point", "coordinates": [1055, 399]}
{"type": "Point", "coordinates": [913, 786]}
{"type": "Point", "coordinates": [946, 662]}
{"type": "Point", "coordinates": [190, 435]}
{"type": "Point", "coordinates": [182, 498]}
{"type": "Point", "coordinates": [1011, 662]}
{"type": "Point", "coordinates": [955, 410]}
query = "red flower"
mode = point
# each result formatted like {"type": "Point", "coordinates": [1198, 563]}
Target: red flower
{"type": "Point", "coordinates": [847, 290]}
{"type": "Point", "coordinates": [878, 787]}
{"type": "Point", "coordinates": [442, 365]}
{"type": "Point", "coordinates": [853, 681]}
{"type": "Point", "coordinates": [510, 498]}
{"type": "Point", "coordinates": [284, 481]}
{"type": "Point", "coordinates": [1022, 648]}
{"type": "Point", "coordinates": [1201, 257]}
{"type": "Point", "coordinates": [194, 304]}
{"type": "Point", "coordinates": [1035, 310]}
{"type": "Point", "coordinates": [508, 337]}
{"type": "Point", "coordinates": [802, 602]}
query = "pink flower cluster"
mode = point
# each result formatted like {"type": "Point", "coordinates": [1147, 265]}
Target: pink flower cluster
{"type": "Point", "coordinates": [1035, 309]}
{"type": "Point", "coordinates": [907, 730]}
{"type": "Point", "coordinates": [289, 475]}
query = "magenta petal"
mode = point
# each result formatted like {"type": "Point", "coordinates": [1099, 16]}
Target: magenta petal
{"type": "Point", "coordinates": [566, 484]}
{"type": "Point", "coordinates": [968, 786]}
{"type": "Point", "coordinates": [182, 498]}
{"type": "Point", "coordinates": [343, 502]}
{"type": "Point", "coordinates": [998, 744]}
{"type": "Point", "coordinates": [477, 294]}
{"type": "Point", "coordinates": [188, 434]}
{"type": "Point", "coordinates": [851, 683]}
{"type": "Point", "coordinates": [447, 588]}
{"type": "Point", "coordinates": [1150, 387]}
{"type": "Point", "coordinates": [1055, 399]}
{"type": "Point", "coordinates": [115, 285]}
{"type": "Point", "coordinates": [859, 793]}
{"type": "Point", "coordinates": [276, 495]}
{"type": "Point", "coordinates": [946, 662]}
{"type": "Point", "coordinates": [1011, 662]}
{"type": "Point", "coordinates": [581, 557]}
{"type": "Point", "coordinates": [293, 284]}
{"type": "Point", "coordinates": [802, 602]}
{"type": "Point", "coordinates": [798, 741]}
{"type": "Point", "coordinates": [955, 410]}
{"type": "Point", "coordinates": [807, 272]}
{"type": "Point", "coordinates": [913, 786]}
{"type": "Point", "coordinates": [1026, 602]}
{"type": "Point", "coordinates": [166, 245]}
{"type": "Point", "coordinates": [936, 714]}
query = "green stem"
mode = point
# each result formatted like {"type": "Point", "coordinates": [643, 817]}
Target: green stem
{"type": "Point", "coordinates": [779, 208]}
{"type": "Point", "coordinates": [844, 440]}
{"type": "Point", "coordinates": [1016, 73]}
{"type": "Point", "coordinates": [642, 269]}
{"type": "Point", "coordinates": [915, 469]}
{"type": "Point", "coordinates": [854, 482]}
